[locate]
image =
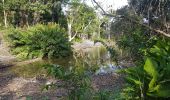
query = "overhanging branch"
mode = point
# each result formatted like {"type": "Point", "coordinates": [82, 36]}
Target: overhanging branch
{"type": "Point", "coordinates": [150, 28]}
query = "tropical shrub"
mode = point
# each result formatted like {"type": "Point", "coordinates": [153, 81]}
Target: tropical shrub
{"type": "Point", "coordinates": [151, 80]}
{"type": "Point", "coordinates": [39, 41]}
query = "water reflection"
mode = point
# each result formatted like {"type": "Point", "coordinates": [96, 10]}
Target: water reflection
{"type": "Point", "coordinates": [95, 59]}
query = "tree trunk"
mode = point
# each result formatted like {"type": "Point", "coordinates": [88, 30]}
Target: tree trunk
{"type": "Point", "coordinates": [5, 15]}
{"type": "Point", "coordinates": [69, 31]}
{"type": "Point", "coordinates": [99, 31]}
{"type": "Point", "coordinates": [5, 19]}
{"type": "Point", "coordinates": [27, 22]}
{"type": "Point", "coordinates": [108, 30]}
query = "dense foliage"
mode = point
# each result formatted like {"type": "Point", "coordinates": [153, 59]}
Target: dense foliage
{"type": "Point", "coordinates": [40, 41]}
{"type": "Point", "coordinates": [150, 80]}
{"type": "Point", "coordinates": [137, 32]}
{"type": "Point", "coordinates": [30, 12]}
{"type": "Point", "coordinates": [82, 20]}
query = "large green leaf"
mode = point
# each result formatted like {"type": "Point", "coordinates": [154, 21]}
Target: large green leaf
{"type": "Point", "coordinates": [151, 68]}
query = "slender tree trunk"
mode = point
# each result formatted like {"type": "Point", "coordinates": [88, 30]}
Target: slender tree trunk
{"type": "Point", "coordinates": [99, 24]}
{"type": "Point", "coordinates": [36, 18]}
{"type": "Point", "coordinates": [27, 22]}
{"type": "Point", "coordinates": [109, 36]}
{"type": "Point", "coordinates": [5, 19]}
{"type": "Point", "coordinates": [99, 31]}
{"type": "Point", "coordinates": [69, 31]}
{"type": "Point", "coordinates": [21, 19]}
{"type": "Point", "coordinates": [52, 15]}
{"type": "Point", "coordinates": [25, 18]}
{"type": "Point", "coordinates": [108, 31]}
{"type": "Point", "coordinates": [5, 14]}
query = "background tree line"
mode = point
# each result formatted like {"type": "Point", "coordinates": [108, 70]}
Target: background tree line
{"type": "Point", "coordinates": [20, 13]}
{"type": "Point", "coordinates": [74, 15]}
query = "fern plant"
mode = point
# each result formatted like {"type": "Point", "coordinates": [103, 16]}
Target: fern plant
{"type": "Point", "coordinates": [49, 41]}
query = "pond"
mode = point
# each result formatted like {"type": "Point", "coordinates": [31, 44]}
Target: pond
{"type": "Point", "coordinates": [96, 59]}
{"type": "Point", "coordinates": [80, 76]}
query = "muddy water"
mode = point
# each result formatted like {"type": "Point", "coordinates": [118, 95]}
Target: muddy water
{"type": "Point", "coordinates": [96, 59]}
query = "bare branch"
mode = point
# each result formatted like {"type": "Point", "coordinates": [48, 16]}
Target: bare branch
{"type": "Point", "coordinates": [100, 7]}
{"type": "Point", "coordinates": [126, 17]}
{"type": "Point", "coordinates": [147, 26]}
{"type": "Point", "coordinates": [87, 25]}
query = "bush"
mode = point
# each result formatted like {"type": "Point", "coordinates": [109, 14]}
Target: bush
{"type": "Point", "coordinates": [39, 41]}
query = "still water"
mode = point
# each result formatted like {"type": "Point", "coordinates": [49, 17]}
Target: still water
{"type": "Point", "coordinates": [97, 59]}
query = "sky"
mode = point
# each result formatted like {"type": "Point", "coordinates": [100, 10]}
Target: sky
{"type": "Point", "coordinates": [108, 4]}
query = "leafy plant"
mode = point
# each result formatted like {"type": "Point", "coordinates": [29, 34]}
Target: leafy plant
{"type": "Point", "coordinates": [40, 41]}
{"type": "Point", "coordinates": [77, 81]}
{"type": "Point", "coordinates": [151, 79]}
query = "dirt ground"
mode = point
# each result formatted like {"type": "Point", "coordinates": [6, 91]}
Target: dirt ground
{"type": "Point", "coordinates": [13, 87]}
